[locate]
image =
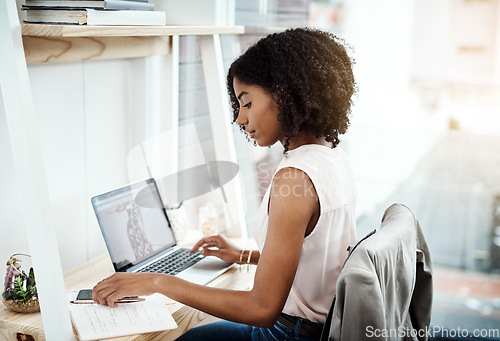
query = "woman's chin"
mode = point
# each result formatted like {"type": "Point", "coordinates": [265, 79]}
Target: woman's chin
{"type": "Point", "coordinates": [264, 143]}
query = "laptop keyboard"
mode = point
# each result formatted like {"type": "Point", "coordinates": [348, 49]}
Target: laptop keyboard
{"type": "Point", "coordinates": [174, 262]}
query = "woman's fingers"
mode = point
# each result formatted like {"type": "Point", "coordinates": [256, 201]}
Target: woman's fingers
{"type": "Point", "coordinates": [119, 285]}
{"type": "Point", "coordinates": [212, 241]}
{"type": "Point", "coordinates": [100, 293]}
{"type": "Point", "coordinates": [218, 246]}
{"type": "Point", "coordinates": [112, 298]}
{"type": "Point", "coordinates": [206, 251]}
{"type": "Point", "coordinates": [109, 290]}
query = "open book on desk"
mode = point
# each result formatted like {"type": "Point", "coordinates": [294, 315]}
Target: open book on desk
{"type": "Point", "coordinates": [94, 322]}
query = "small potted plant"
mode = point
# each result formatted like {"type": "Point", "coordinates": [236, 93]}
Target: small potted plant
{"type": "Point", "coordinates": [20, 294]}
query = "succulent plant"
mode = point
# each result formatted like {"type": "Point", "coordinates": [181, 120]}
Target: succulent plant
{"type": "Point", "coordinates": [19, 285]}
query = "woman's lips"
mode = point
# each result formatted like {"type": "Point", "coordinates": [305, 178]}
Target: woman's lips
{"type": "Point", "coordinates": [251, 134]}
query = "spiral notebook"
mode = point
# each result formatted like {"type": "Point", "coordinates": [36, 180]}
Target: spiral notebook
{"type": "Point", "coordinates": [95, 322]}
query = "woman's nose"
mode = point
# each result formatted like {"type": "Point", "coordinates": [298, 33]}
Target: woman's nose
{"type": "Point", "coordinates": [241, 120]}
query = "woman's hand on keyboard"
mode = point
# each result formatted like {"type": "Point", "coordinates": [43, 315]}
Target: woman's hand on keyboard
{"type": "Point", "coordinates": [220, 247]}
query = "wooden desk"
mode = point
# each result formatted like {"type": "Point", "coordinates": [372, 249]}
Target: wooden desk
{"type": "Point", "coordinates": [16, 326]}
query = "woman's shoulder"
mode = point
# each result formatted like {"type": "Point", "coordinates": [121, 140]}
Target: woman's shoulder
{"type": "Point", "coordinates": [328, 170]}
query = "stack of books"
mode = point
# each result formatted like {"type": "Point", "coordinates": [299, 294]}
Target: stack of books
{"type": "Point", "coordinates": [93, 12]}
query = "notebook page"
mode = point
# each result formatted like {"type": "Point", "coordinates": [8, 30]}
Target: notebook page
{"type": "Point", "coordinates": [94, 321]}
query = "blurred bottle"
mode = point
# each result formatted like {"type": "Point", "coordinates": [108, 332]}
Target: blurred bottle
{"type": "Point", "coordinates": [208, 218]}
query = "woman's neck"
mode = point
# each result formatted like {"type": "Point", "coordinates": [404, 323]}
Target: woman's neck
{"type": "Point", "coordinates": [304, 139]}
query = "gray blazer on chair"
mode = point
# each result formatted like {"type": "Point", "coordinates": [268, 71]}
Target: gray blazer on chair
{"type": "Point", "coordinates": [384, 291]}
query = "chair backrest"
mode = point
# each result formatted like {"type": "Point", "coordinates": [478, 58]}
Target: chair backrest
{"type": "Point", "coordinates": [384, 290]}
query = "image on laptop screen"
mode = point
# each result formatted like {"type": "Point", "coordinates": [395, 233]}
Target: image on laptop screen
{"type": "Point", "coordinates": [132, 233]}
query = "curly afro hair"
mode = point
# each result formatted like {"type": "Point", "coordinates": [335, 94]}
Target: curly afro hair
{"type": "Point", "coordinates": [310, 74]}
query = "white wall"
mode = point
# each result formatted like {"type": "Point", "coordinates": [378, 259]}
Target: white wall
{"type": "Point", "coordinates": [83, 110]}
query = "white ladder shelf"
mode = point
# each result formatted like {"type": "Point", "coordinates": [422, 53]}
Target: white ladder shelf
{"type": "Point", "coordinates": [20, 116]}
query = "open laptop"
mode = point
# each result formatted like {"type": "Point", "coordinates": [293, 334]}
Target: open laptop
{"type": "Point", "coordinates": [140, 239]}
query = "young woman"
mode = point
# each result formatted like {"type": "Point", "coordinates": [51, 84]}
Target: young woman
{"type": "Point", "coordinates": [293, 87]}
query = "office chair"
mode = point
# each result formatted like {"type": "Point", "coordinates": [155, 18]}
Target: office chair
{"type": "Point", "coordinates": [384, 291]}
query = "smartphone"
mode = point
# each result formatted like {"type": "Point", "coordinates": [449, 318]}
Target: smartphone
{"type": "Point", "coordinates": [84, 295]}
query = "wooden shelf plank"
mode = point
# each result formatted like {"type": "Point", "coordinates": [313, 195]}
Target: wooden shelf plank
{"type": "Point", "coordinates": [61, 49]}
{"type": "Point", "coordinates": [44, 43]}
{"type": "Point", "coordinates": [61, 30]}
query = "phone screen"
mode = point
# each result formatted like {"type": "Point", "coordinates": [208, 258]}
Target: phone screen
{"type": "Point", "coordinates": [84, 295]}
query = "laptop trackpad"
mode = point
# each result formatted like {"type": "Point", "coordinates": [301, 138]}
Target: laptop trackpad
{"type": "Point", "coordinates": [205, 270]}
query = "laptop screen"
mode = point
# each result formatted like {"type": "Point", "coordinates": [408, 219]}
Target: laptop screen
{"type": "Point", "coordinates": [132, 233]}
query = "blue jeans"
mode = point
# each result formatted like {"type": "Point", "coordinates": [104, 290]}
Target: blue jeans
{"type": "Point", "coordinates": [225, 330]}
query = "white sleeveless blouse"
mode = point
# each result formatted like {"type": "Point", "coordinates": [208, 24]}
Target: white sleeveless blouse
{"type": "Point", "coordinates": [324, 250]}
